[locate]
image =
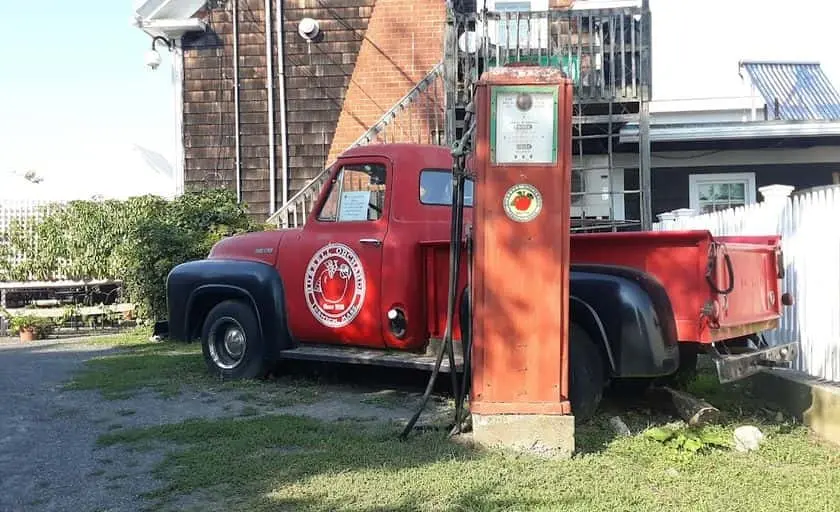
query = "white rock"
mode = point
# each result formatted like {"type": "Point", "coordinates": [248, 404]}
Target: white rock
{"type": "Point", "coordinates": [747, 438]}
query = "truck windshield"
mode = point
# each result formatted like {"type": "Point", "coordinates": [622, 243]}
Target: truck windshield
{"type": "Point", "coordinates": [436, 188]}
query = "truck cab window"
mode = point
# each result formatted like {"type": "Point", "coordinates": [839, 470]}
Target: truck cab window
{"type": "Point", "coordinates": [436, 188]}
{"type": "Point", "coordinates": [356, 194]}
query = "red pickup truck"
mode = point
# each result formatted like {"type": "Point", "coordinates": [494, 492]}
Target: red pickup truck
{"type": "Point", "coordinates": [365, 281]}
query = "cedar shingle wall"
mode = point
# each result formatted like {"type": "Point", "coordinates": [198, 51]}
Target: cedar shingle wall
{"type": "Point", "coordinates": [317, 77]}
{"type": "Point", "coordinates": [209, 143]}
{"type": "Point", "coordinates": [316, 81]}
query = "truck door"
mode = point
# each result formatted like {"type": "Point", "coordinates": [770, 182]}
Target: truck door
{"type": "Point", "coordinates": [334, 290]}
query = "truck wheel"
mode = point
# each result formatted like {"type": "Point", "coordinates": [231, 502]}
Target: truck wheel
{"type": "Point", "coordinates": [586, 374]}
{"type": "Point", "coordinates": [231, 342]}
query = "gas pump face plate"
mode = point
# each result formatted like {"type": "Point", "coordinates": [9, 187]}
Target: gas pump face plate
{"type": "Point", "coordinates": [522, 202]}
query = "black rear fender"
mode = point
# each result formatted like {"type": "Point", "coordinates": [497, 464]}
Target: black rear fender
{"type": "Point", "coordinates": [629, 313]}
{"type": "Point", "coordinates": [195, 287]}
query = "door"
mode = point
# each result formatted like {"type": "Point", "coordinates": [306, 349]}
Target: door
{"type": "Point", "coordinates": [334, 290]}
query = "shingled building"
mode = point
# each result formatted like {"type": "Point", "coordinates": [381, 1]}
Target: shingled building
{"type": "Point", "coordinates": [341, 65]}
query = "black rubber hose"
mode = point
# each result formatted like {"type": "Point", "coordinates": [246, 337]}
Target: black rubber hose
{"type": "Point", "coordinates": [466, 341]}
{"type": "Point", "coordinates": [454, 271]}
{"type": "Point", "coordinates": [457, 236]}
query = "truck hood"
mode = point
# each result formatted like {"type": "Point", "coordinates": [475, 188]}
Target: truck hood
{"type": "Point", "coordinates": [258, 246]}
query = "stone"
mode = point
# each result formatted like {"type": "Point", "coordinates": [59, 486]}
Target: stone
{"type": "Point", "coordinates": [747, 438]}
{"type": "Point", "coordinates": [812, 401]}
{"type": "Point", "coordinates": [545, 435]}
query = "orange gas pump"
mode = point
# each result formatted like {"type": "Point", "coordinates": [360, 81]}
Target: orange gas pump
{"type": "Point", "coordinates": [519, 393]}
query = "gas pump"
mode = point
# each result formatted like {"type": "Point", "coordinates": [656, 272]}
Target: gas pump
{"type": "Point", "coordinates": [516, 350]}
{"type": "Point", "coordinates": [520, 371]}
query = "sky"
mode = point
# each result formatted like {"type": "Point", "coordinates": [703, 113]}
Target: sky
{"type": "Point", "coordinates": [72, 78]}
{"type": "Point", "coordinates": [697, 43]}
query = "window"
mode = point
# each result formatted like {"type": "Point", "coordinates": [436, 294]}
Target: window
{"type": "Point", "coordinates": [436, 188]}
{"type": "Point", "coordinates": [715, 192]}
{"type": "Point", "coordinates": [357, 194]}
{"type": "Point", "coordinates": [508, 29]}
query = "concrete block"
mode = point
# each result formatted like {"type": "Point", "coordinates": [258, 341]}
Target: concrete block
{"type": "Point", "coordinates": [814, 402]}
{"type": "Point", "coordinates": [538, 434]}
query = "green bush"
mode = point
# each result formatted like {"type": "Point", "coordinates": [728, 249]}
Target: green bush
{"type": "Point", "coordinates": [137, 241]}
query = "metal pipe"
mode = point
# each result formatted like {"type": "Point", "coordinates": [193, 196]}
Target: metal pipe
{"type": "Point", "coordinates": [644, 166]}
{"type": "Point", "coordinates": [269, 85]}
{"type": "Point", "coordinates": [236, 100]}
{"type": "Point", "coordinates": [281, 91]}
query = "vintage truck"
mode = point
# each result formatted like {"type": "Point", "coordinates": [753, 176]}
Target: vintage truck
{"type": "Point", "coordinates": [365, 281]}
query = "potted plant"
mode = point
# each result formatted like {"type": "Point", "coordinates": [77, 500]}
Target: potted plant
{"type": "Point", "coordinates": [31, 327]}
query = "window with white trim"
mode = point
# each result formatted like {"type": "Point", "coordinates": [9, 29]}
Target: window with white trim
{"type": "Point", "coordinates": [714, 192]}
{"type": "Point", "coordinates": [507, 34]}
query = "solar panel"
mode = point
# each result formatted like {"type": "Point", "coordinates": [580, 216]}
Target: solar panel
{"type": "Point", "coordinates": [795, 91]}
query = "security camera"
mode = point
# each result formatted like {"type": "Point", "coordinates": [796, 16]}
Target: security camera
{"type": "Point", "coordinates": [152, 59]}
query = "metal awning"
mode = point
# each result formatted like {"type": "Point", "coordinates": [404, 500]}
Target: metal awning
{"type": "Point", "coordinates": [794, 90]}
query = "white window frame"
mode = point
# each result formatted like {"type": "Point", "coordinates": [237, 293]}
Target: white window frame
{"type": "Point", "coordinates": [695, 180]}
{"type": "Point", "coordinates": [537, 30]}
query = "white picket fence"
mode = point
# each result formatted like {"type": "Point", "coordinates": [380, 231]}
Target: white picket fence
{"type": "Point", "coordinates": [809, 224]}
{"type": "Point", "coordinates": [11, 210]}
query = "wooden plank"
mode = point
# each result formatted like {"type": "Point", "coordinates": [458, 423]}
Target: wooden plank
{"type": "Point", "coordinates": [39, 285]}
{"type": "Point", "coordinates": [60, 311]}
{"type": "Point", "coordinates": [373, 357]}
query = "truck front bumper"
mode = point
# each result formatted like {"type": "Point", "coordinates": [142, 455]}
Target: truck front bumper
{"type": "Point", "coordinates": [733, 367]}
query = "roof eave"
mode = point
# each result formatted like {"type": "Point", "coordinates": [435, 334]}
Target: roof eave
{"type": "Point", "coordinates": [172, 28]}
{"type": "Point", "coordinates": [168, 18]}
{"type": "Point", "coordinates": [728, 131]}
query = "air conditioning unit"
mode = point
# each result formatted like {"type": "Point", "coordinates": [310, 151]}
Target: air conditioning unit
{"type": "Point", "coordinates": [591, 188]}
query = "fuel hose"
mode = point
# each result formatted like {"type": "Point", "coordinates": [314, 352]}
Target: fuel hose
{"type": "Point", "coordinates": [459, 152]}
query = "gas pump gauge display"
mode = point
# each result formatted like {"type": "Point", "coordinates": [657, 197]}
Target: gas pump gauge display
{"type": "Point", "coordinates": [523, 125]}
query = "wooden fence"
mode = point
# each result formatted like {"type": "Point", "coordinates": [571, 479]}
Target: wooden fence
{"type": "Point", "coordinates": [809, 223]}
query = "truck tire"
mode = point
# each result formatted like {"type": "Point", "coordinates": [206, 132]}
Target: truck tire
{"type": "Point", "coordinates": [586, 374]}
{"type": "Point", "coordinates": [231, 342]}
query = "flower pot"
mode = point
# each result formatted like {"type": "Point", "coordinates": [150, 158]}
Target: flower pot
{"type": "Point", "coordinates": [27, 334]}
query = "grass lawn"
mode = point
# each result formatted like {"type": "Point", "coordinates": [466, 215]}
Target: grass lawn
{"type": "Point", "coordinates": [167, 368]}
{"type": "Point", "coordinates": [291, 463]}
{"type": "Point", "coordinates": [281, 462]}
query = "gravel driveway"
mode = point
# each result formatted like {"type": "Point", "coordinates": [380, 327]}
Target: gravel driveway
{"type": "Point", "coordinates": [48, 454]}
{"type": "Point", "coordinates": [47, 436]}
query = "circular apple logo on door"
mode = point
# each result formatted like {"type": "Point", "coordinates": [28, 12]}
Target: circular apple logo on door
{"type": "Point", "coordinates": [334, 285]}
{"type": "Point", "coordinates": [522, 202]}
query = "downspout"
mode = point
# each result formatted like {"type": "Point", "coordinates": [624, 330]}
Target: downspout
{"type": "Point", "coordinates": [236, 100]}
{"type": "Point", "coordinates": [269, 85]}
{"type": "Point", "coordinates": [281, 89]}
{"type": "Point", "coordinates": [178, 87]}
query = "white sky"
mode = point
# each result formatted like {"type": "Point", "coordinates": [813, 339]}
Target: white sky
{"type": "Point", "coordinates": [697, 43]}
{"type": "Point", "coordinates": [75, 81]}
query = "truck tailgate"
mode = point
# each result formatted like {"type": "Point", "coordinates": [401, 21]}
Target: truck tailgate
{"type": "Point", "coordinates": [710, 302]}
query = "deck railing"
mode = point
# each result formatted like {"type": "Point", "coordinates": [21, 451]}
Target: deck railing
{"type": "Point", "coordinates": [606, 52]}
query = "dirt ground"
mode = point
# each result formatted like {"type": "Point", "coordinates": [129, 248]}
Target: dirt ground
{"type": "Point", "coordinates": [49, 459]}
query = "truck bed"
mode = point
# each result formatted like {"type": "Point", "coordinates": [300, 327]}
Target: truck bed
{"type": "Point", "coordinates": [680, 261]}
{"type": "Point", "coordinates": [677, 259]}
